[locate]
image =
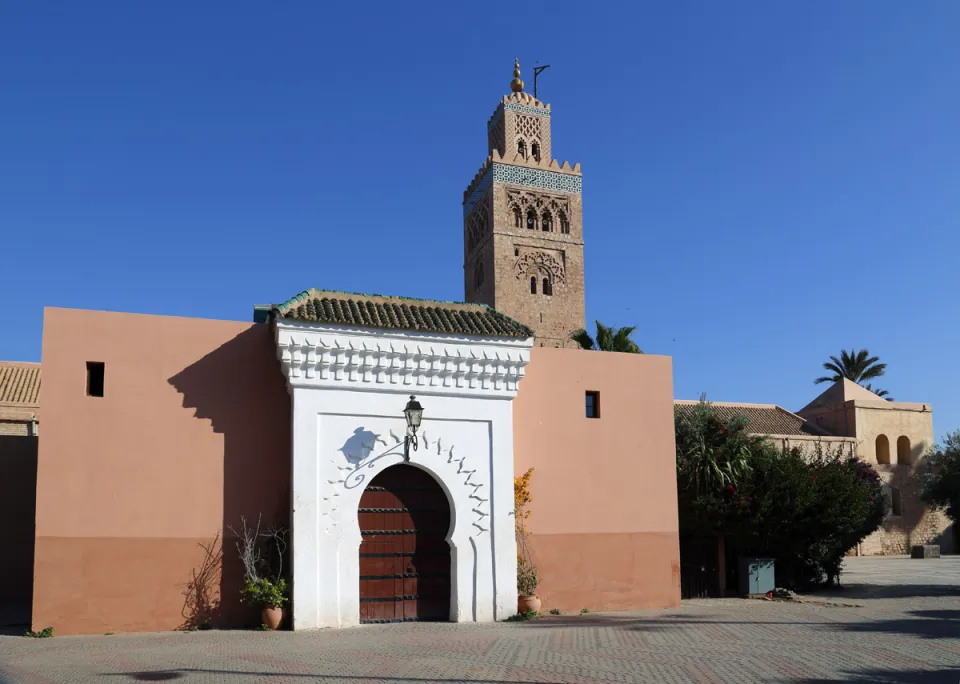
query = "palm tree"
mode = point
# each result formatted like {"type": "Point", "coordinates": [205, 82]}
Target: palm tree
{"type": "Point", "coordinates": [608, 339]}
{"type": "Point", "coordinates": [854, 365]}
{"type": "Point", "coordinates": [879, 392]}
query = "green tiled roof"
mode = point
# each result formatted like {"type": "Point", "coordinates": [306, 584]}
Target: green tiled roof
{"type": "Point", "coordinates": [400, 313]}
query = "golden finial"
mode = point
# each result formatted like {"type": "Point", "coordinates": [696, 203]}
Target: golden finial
{"type": "Point", "coordinates": [516, 85]}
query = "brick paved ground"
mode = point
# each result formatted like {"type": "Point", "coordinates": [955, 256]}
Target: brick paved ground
{"type": "Point", "coordinates": [905, 627]}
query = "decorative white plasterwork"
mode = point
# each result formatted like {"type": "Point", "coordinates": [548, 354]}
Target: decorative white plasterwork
{"type": "Point", "coordinates": [315, 355]}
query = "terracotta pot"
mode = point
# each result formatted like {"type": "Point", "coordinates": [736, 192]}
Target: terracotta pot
{"type": "Point", "coordinates": [272, 616]}
{"type": "Point", "coordinates": [525, 603]}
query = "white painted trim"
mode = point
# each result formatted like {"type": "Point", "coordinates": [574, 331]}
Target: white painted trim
{"type": "Point", "coordinates": [313, 355]}
{"type": "Point", "coordinates": [348, 427]}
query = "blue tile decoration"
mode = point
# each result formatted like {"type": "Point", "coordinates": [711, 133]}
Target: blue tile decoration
{"type": "Point", "coordinates": [523, 109]}
{"type": "Point", "coordinates": [521, 175]}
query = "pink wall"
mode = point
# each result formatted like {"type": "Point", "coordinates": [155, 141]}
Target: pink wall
{"type": "Point", "coordinates": [604, 521]}
{"type": "Point", "coordinates": [192, 432]}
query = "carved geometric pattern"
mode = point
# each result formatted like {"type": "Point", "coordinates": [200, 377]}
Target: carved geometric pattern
{"type": "Point", "coordinates": [478, 226]}
{"type": "Point", "coordinates": [524, 109]}
{"type": "Point", "coordinates": [555, 209]}
{"type": "Point", "coordinates": [528, 127]}
{"type": "Point", "coordinates": [497, 136]}
{"type": "Point", "coordinates": [537, 178]}
{"type": "Point", "coordinates": [541, 261]}
{"type": "Point", "coordinates": [519, 175]}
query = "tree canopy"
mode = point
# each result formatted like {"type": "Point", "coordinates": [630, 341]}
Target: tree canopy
{"type": "Point", "coordinates": [940, 477]}
{"type": "Point", "coordinates": [854, 365]}
{"type": "Point", "coordinates": [607, 339]}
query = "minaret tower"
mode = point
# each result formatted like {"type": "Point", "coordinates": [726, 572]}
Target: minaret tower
{"type": "Point", "coordinates": [522, 224]}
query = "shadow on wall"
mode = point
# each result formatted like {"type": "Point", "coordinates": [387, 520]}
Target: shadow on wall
{"type": "Point", "coordinates": [912, 523]}
{"type": "Point", "coordinates": [18, 511]}
{"type": "Point", "coordinates": [240, 388]}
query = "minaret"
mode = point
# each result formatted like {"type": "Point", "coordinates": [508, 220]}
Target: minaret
{"type": "Point", "coordinates": [522, 224]}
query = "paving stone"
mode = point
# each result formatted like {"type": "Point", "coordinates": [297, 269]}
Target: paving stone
{"type": "Point", "coordinates": [892, 620]}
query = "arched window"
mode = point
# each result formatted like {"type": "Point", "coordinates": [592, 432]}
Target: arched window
{"type": "Point", "coordinates": [522, 148]}
{"type": "Point", "coordinates": [531, 220]}
{"type": "Point", "coordinates": [547, 222]}
{"type": "Point", "coordinates": [535, 150]}
{"type": "Point", "coordinates": [547, 287]}
{"type": "Point", "coordinates": [517, 217]}
{"type": "Point", "coordinates": [564, 224]}
{"type": "Point", "coordinates": [883, 450]}
{"type": "Point", "coordinates": [533, 284]}
{"type": "Point", "coordinates": [903, 449]}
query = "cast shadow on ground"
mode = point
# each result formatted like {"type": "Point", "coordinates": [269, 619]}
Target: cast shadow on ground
{"type": "Point", "coordinates": [225, 675]}
{"type": "Point", "coordinates": [951, 676]}
{"type": "Point", "coordinates": [881, 591]}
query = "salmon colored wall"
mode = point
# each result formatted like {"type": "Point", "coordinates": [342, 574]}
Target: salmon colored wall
{"type": "Point", "coordinates": [18, 489]}
{"type": "Point", "coordinates": [193, 431]}
{"type": "Point", "coordinates": [604, 531]}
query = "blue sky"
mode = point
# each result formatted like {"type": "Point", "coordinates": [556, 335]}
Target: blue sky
{"type": "Point", "coordinates": [764, 183]}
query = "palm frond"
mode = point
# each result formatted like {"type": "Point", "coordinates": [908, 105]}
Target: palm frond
{"type": "Point", "coordinates": [582, 337]}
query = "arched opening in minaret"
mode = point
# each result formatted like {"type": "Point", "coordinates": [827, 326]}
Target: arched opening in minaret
{"type": "Point", "coordinates": [531, 219]}
{"type": "Point", "coordinates": [517, 218]}
{"type": "Point", "coordinates": [533, 284]}
{"type": "Point", "coordinates": [535, 151]}
{"type": "Point", "coordinates": [547, 287]}
{"type": "Point", "coordinates": [564, 224]}
{"type": "Point", "coordinates": [547, 222]}
{"type": "Point", "coordinates": [522, 148]}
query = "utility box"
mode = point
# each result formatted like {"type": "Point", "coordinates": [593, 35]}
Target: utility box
{"type": "Point", "coordinates": [756, 576]}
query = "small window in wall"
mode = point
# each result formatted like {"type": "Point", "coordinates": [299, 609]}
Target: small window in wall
{"type": "Point", "coordinates": [533, 284]}
{"type": "Point", "coordinates": [522, 149]}
{"type": "Point", "coordinates": [593, 404]}
{"type": "Point", "coordinates": [531, 220]}
{"type": "Point", "coordinates": [896, 502]}
{"type": "Point", "coordinates": [547, 287]}
{"type": "Point", "coordinates": [535, 149]}
{"type": "Point", "coordinates": [516, 251]}
{"type": "Point", "coordinates": [95, 378]}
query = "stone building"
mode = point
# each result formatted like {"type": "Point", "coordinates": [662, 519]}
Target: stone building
{"type": "Point", "coordinates": [161, 433]}
{"type": "Point", "coordinates": [19, 398]}
{"type": "Point", "coordinates": [523, 224]}
{"type": "Point", "coordinates": [893, 436]}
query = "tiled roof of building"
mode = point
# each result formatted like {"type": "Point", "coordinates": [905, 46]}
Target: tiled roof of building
{"type": "Point", "coordinates": [762, 419]}
{"type": "Point", "coordinates": [19, 383]}
{"type": "Point", "coordinates": [400, 313]}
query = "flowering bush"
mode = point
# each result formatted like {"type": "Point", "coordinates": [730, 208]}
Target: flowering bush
{"type": "Point", "coordinates": [527, 577]}
{"type": "Point", "coordinates": [805, 512]}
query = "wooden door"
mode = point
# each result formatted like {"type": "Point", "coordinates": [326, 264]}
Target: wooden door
{"type": "Point", "coordinates": [404, 555]}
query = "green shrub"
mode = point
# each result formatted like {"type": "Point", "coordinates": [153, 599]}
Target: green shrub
{"type": "Point", "coordinates": [264, 592]}
{"type": "Point", "coordinates": [554, 611]}
{"type": "Point", "coordinates": [940, 477]}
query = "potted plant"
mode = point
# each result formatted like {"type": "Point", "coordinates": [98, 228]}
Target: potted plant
{"type": "Point", "coordinates": [527, 577]}
{"type": "Point", "coordinates": [270, 596]}
{"type": "Point", "coordinates": [263, 582]}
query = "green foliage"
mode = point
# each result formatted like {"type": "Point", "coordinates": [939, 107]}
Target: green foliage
{"type": "Point", "coordinates": [584, 611]}
{"type": "Point", "coordinates": [264, 627]}
{"type": "Point", "coordinates": [265, 592]}
{"type": "Point", "coordinates": [554, 611]}
{"type": "Point", "coordinates": [710, 453]}
{"type": "Point", "coordinates": [44, 633]}
{"type": "Point", "coordinates": [526, 615]}
{"type": "Point", "coordinates": [940, 477]}
{"type": "Point", "coordinates": [527, 577]}
{"type": "Point", "coordinates": [607, 339]}
{"type": "Point", "coordinates": [854, 365]}
{"type": "Point", "coordinates": [803, 511]}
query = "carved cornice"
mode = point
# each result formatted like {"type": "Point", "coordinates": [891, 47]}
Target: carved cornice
{"type": "Point", "coordinates": [313, 355]}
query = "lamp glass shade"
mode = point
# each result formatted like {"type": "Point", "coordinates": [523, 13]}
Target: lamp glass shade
{"type": "Point", "coordinates": [413, 412]}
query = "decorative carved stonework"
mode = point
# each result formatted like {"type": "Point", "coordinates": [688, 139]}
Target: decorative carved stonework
{"type": "Point", "coordinates": [541, 260]}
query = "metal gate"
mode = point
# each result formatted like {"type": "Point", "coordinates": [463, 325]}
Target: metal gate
{"type": "Point", "coordinates": [404, 556]}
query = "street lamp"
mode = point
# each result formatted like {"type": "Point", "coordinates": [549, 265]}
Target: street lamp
{"type": "Point", "coordinates": [413, 413]}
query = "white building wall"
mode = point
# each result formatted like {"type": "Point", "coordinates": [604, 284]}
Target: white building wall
{"type": "Point", "coordinates": [349, 389]}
